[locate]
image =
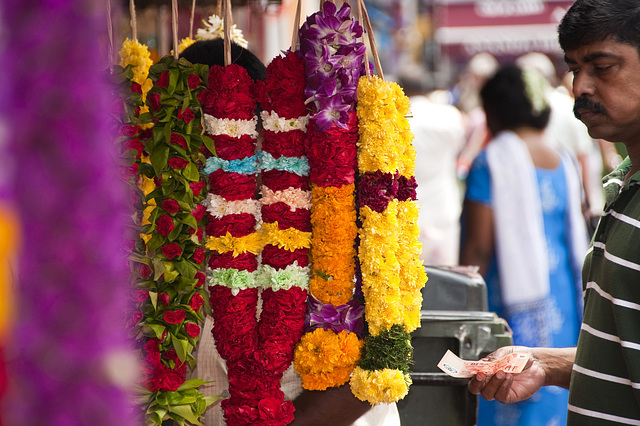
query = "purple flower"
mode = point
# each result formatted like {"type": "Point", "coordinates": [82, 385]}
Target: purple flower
{"type": "Point", "coordinates": [331, 110]}
{"type": "Point", "coordinates": [349, 317]}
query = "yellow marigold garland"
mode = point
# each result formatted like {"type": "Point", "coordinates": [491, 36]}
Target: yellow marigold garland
{"type": "Point", "coordinates": [389, 248]}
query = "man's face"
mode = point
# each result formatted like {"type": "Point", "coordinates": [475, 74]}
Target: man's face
{"type": "Point", "coordinates": [606, 87]}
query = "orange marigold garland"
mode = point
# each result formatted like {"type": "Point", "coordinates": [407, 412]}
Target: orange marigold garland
{"type": "Point", "coordinates": [334, 60]}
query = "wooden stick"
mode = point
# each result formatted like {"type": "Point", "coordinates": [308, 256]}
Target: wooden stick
{"type": "Point", "coordinates": [295, 41]}
{"type": "Point", "coordinates": [372, 41]}
{"type": "Point", "coordinates": [134, 21]}
{"type": "Point", "coordinates": [227, 32]}
{"type": "Point", "coordinates": [367, 71]}
{"type": "Point", "coordinates": [174, 25]}
{"type": "Point", "coordinates": [110, 33]}
{"type": "Point", "coordinates": [193, 12]}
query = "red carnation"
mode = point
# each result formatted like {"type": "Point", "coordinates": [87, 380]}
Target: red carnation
{"type": "Point", "coordinates": [171, 250]}
{"type": "Point", "coordinates": [199, 212]}
{"type": "Point", "coordinates": [299, 219]}
{"type": "Point", "coordinates": [232, 186]}
{"type": "Point", "coordinates": [164, 298]}
{"type": "Point", "coordinates": [193, 80]}
{"type": "Point", "coordinates": [170, 206]}
{"type": "Point", "coordinates": [238, 225]}
{"type": "Point", "coordinates": [192, 329]}
{"type": "Point", "coordinates": [279, 180]}
{"type": "Point", "coordinates": [279, 258]}
{"type": "Point", "coordinates": [196, 301]}
{"type": "Point", "coordinates": [128, 130]}
{"type": "Point", "coordinates": [137, 316]}
{"type": "Point", "coordinates": [178, 163]}
{"type": "Point", "coordinates": [163, 80]}
{"type": "Point", "coordinates": [164, 225]}
{"type": "Point", "coordinates": [232, 148]}
{"type": "Point", "coordinates": [135, 87]}
{"type": "Point", "coordinates": [288, 144]}
{"type": "Point", "coordinates": [200, 277]}
{"type": "Point", "coordinates": [174, 317]}
{"type": "Point", "coordinates": [177, 139]}
{"type": "Point", "coordinates": [243, 262]}
{"type": "Point", "coordinates": [154, 101]}
{"type": "Point", "coordinates": [198, 255]}
{"type": "Point", "coordinates": [144, 270]}
{"type": "Point", "coordinates": [196, 187]}
{"type": "Point", "coordinates": [185, 115]}
{"type": "Point", "coordinates": [133, 144]}
{"type": "Point", "coordinates": [141, 295]}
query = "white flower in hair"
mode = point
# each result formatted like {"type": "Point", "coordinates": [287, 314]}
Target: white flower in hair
{"type": "Point", "coordinates": [215, 29]}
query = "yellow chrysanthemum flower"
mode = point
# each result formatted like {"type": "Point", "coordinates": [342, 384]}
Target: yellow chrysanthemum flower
{"type": "Point", "coordinates": [289, 239]}
{"type": "Point", "coordinates": [250, 243]}
{"type": "Point", "coordinates": [137, 54]}
{"type": "Point", "coordinates": [380, 386]}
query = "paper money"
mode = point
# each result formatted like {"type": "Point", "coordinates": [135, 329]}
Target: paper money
{"type": "Point", "coordinates": [512, 363]}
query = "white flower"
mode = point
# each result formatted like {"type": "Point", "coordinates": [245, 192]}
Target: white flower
{"type": "Point", "coordinates": [234, 128]}
{"type": "Point", "coordinates": [215, 29]}
{"type": "Point", "coordinates": [273, 122]}
{"type": "Point", "coordinates": [218, 207]}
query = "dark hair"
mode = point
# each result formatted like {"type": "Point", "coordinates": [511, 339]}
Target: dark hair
{"type": "Point", "coordinates": [588, 21]}
{"type": "Point", "coordinates": [211, 52]}
{"type": "Point", "coordinates": [506, 103]}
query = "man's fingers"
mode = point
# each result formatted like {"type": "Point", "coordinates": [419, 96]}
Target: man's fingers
{"type": "Point", "coordinates": [476, 383]}
{"type": "Point", "coordinates": [492, 385]}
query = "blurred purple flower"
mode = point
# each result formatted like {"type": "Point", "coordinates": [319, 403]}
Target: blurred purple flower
{"type": "Point", "coordinates": [72, 292]}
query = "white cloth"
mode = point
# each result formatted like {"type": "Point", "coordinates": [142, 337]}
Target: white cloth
{"type": "Point", "coordinates": [210, 366]}
{"type": "Point", "coordinates": [520, 238]}
{"type": "Point", "coordinates": [439, 137]}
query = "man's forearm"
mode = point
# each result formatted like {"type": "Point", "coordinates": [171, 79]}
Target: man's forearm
{"type": "Point", "coordinates": [334, 406]}
{"type": "Point", "coordinates": [557, 364]}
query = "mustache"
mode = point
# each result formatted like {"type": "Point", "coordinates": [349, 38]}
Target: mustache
{"type": "Point", "coordinates": [584, 103]}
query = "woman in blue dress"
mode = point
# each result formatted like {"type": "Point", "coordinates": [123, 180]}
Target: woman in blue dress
{"type": "Point", "coordinates": [523, 227]}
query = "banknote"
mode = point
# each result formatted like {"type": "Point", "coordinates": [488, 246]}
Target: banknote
{"type": "Point", "coordinates": [454, 366]}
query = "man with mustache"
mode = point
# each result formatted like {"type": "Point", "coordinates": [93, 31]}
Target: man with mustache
{"type": "Point", "coordinates": [601, 41]}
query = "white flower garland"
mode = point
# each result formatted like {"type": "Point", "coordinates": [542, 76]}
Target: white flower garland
{"type": "Point", "coordinates": [273, 122]}
{"type": "Point", "coordinates": [234, 128]}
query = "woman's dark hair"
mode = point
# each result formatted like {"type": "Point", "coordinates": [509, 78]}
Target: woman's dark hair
{"type": "Point", "coordinates": [588, 21]}
{"type": "Point", "coordinates": [507, 102]}
{"type": "Point", "coordinates": [211, 52]}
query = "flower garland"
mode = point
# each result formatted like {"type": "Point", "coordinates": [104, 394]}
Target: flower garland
{"type": "Point", "coordinates": [334, 60]}
{"type": "Point", "coordinates": [392, 274]}
{"type": "Point", "coordinates": [167, 274]}
{"type": "Point", "coordinates": [254, 351]}
{"type": "Point", "coordinates": [138, 56]}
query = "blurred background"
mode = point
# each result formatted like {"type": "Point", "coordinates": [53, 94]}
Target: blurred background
{"type": "Point", "coordinates": [432, 40]}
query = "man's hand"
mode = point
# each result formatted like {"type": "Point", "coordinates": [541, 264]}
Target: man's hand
{"type": "Point", "coordinates": [547, 366]}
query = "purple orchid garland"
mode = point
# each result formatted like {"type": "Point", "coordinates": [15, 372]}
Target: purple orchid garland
{"type": "Point", "coordinates": [72, 283]}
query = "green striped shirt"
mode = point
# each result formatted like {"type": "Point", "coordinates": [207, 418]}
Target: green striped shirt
{"type": "Point", "coordinates": [605, 382]}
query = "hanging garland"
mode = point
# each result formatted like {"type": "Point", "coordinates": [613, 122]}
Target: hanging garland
{"type": "Point", "coordinates": [167, 274]}
{"type": "Point", "coordinates": [392, 275]}
{"type": "Point", "coordinates": [334, 61]}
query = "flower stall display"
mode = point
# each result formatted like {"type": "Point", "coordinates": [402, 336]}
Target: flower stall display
{"type": "Point", "coordinates": [334, 61]}
{"type": "Point", "coordinates": [168, 277]}
{"type": "Point", "coordinates": [392, 274]}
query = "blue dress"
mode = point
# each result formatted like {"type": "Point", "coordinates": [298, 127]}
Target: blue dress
{"type": "Point", "coordinates": [549, 405]}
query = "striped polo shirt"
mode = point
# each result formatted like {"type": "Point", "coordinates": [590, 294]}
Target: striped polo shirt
{"type": "Point", "coordinates": [605, 382]}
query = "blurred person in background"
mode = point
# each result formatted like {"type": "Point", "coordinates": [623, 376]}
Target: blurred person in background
{"type": "Point", "coordinates": [523, 227]}
{"type": "Point", "coordinates": [439, 136]}
{"type": "Point", "coordinates": [566, 131]}
{"type": "Point", "coordinates": [466, 96]}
